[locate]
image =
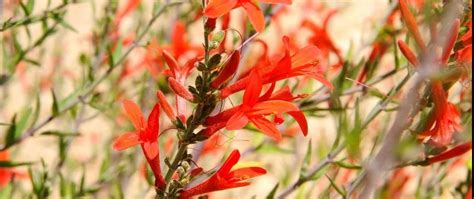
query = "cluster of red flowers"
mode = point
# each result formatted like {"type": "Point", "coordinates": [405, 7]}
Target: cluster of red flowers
{"type": "Point", "coordinates": [445, 119]}
{"type": "Point", "coordinates": [255, 108]}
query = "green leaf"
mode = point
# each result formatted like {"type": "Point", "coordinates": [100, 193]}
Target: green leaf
{"type": "Point", "coordinates": [117, 53]}
{"type": "Point", "coordinates": [36, 112]}
{"type": "Point", "coordinates": [347, 165]}
{"type": "Point", "coordinates": [272, 193]}
{"type": "Point", "coordinates": [69, 100]}
{"type": "Point", "coordinates": [22, 123]}
{"type": "Point", "coordinates": [55, 107]}
{"type": "Point", "coordinates": [307, 158]}
{"type": "Point", "coordinates": [28, 8]}
{"type": "Point", "coordinates": [60, 134]}
{"type": "Point", "coordinates": [333, 184]}
{"type": "Point", "coordinates": [10, 136]}
{"type": "Point", "coordinates": [8, 164]}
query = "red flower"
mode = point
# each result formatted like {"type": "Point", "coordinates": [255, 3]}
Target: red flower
{"type": "Point", "coordinates": [228, 70]}
{"type": "Point", "coordinates": [217, 8]}
{"type": "Point", "coordinates": [179, 48]}
{"type": "Point", "coordinates": [464, 55]}
{"type": "Point", "coordinates": [445, 119]}
{"type": "Point", "coordinates": [411, 24]}
{"type": "Point", "coordinates": [224, 178]}
{"type": "Point", "coordinates": [254, 109]}
{"type": "Point", "coordinates": [146, 135]}
{"type": "Point", "coordinates": [165, 105]}
{"type": "Point", "coordinates": [179, 74]}
{"type": "Point", "coordinates": [6, 174]}
{"type": "Point", "coordinates": [304, 63]}
{"type": "Point", "coordinates": [320, 37]}
{"type": "Point", "coordinates": [454, 152]}
{"type": "Point", "coordinates": [123, 12]}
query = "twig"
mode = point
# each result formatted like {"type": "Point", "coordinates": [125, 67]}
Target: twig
{"type": "Point", "coordinates": [315, 169]}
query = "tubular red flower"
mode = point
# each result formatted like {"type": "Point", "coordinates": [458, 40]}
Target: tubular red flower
{"type": "Point", "coordinates": [225, 178]}
{"type": "Point", "coordinates": [146, 135]}
{"type": "Point", "coordinates": [446, 119]}
{"type": "Point", "coordinates": [165, 105]}
{"type": "Point", "coordinates": [227, 71]}
{"type": "Point", "coordinates": [304, 63]}
{"type": "Point", "coordinates": [451, 153]}
{"type": "Point", "coordinates": [254, 108]}
{"type": "Point", "coordinates": [180, 90]}
{"type": "Point", "coordinates": [411, 57]}
{"type": "Point", "coordinates": [412, 25]}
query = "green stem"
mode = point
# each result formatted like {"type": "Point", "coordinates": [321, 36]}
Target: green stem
{"type": "Point", "coordinates": [183, 148]}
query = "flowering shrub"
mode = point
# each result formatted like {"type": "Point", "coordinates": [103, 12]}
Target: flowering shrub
{"type": "Point", "coordinates": [264, 96]}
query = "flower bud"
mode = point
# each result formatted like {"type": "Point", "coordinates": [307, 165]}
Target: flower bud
{"type": "Point", "coordinates": [210, 24]}
{"type": "Point", "coordinates": [180, 90]}
{"type": "Point", "coordinates": [228, 70]}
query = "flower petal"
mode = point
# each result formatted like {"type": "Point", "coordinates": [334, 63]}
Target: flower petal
{"type": "Point", "coordinates": [172, 63]}
{"type": "Point", "coordinates": [301, 119]}
{"type": "Point", "coordinates": [217, 8]}
{"type": "Point", "coordinates": [411, 24]}
{"type": "Point", "coordinates": [151, 149]}
{"type": "Point", "coordinates": [237, 121]}
{"type": "Point", "coordinates": [277, 1]}
{"type": "Point", "coordinates": [247, 173]}
{"type": "Point", "coordinates": [166, 106]}
{"type": "Point", "coordinates": [273, 106]}
{"type": "Point", "coordinates": [125, 141]}
{"type": "Point", "coordinates": [153, 127]}
{"type": "Point", "coordinates": [406, 51]}
{"type": "Point", "coordinates": [134, 114]}
{"type": "Point", "coordinates": [253, 89]}
{"type": "Point", "coordinates": [255, 16]}
{"type": "Point", "coordinates": [267, 127]}
{"type": "Point", "coordinates": [307, 55]}
{"type": "Point", "coordinates": [229, 163]}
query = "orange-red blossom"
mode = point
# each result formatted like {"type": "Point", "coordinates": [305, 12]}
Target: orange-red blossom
{"type": "Point", "coordinates": [255, 108]}
{"type": "Point", "coordinates": [305, 62]}
{"type": "Point", "coordinates": [445, 119]}
{"type": "Point", "coordinates": [218, 8]}
{"type": "Point", "coordinates": [146, 134]}
{"type": "Point", "coordinates": [225, 178]}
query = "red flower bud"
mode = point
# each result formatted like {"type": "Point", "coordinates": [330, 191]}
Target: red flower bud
{"type": "Point", "coordinates": [180, 90]}
{"type": "Point", "coordinates": [228, 70]}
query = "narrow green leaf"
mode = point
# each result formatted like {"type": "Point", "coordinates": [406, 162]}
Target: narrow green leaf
{"type": "Point", "coordinates": [55, 107]}
{"type": "Point", "coordinates": [347, 165]}
{"type": "Point", "coordinates": [10, 136]}
{"type": "Point", "coordinates": [36, 111]}
{"type": "Point", "coordinates": [117, 53]}
{"type": "Point", "coordinates": [272, 193]}
{"type": "Point", "coordinates": [60, 134]}
{"type": "Point", "coordinates": [8, 164]}
{"type": "Point", "coordinates": [333, 184]}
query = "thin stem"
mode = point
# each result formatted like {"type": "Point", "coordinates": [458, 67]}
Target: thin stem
{"type": "Point", "coordinates": [313, 171]}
